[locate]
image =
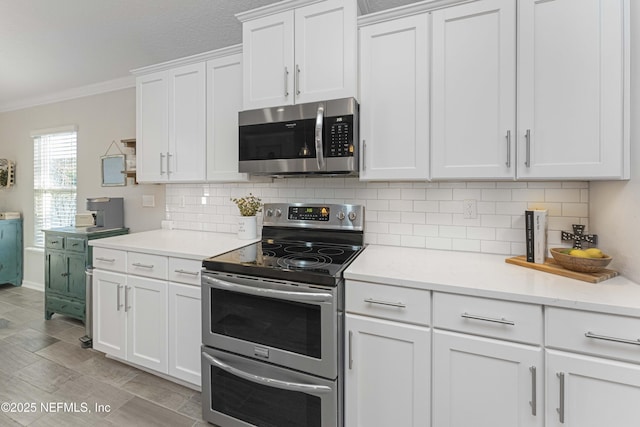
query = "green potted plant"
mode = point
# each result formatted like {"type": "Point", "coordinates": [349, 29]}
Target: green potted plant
{"type": "Point", "coordinates": [248, 206]}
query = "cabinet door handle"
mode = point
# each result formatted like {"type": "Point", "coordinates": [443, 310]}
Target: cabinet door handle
{"type": "Point", "coordinates": [64, 274]}
{"type": "Point", "coordinates": [297, 82]}
{"type": "Point", "coordinates": [286, 82]}
{"type": "Point", "coordinates": [364, 151]}
{"type": "Point", "coordinates": [137, 264]}
{"type": "Point", "coordinates": [161, 163]}
{"type": "Point", "coordinates": [350, 350]}
{"type": "Point", "coordinates": [105, 259]}
{"type": "Point", "coordinates": [501, 320]}
{"type": "Point", "coordinates": [398, 304]}
{"type": "Point", "coordinates": [527, 136]}
{"type": "Point", "coordinates": [118, 305]}
{"type": "Point", "coordinates": [508, 163]}
{"type": "Point", "coordinates": [126, 299]}
{"type": "Point", "coordinates": [191, 273]}
{"type": "Point", "coordinates": [54, 242]}
{"type": "Point", "coordinates": [614, 339]}
{"type": "Point", "coordinates": [534, 391]}
{"type": "Point", "coordinates": [169, 155]}
{"type": "Point", "coordinates": [560, 409]}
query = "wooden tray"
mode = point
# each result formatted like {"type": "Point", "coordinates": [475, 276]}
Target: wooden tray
{"type": "Point", "coordinates": [550, 266]}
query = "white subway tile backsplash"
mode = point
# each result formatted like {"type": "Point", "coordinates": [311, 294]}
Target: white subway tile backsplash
{"type": "Point", "coordinates": [414, 214]}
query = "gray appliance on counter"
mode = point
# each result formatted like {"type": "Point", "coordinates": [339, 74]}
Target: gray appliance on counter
{"type": "Point", "coordinates": [109, 212]}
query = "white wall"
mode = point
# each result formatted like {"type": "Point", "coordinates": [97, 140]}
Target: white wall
{"type": "Point", "coordinates": [100, 119]}
{"type": "Point", "coordinates": [615, 206]}
{"type": "Point", "coordinates": [414, 214]}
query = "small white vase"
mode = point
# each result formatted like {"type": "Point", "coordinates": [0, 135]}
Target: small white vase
{"type": "Point", "coordinates": [247, 227]}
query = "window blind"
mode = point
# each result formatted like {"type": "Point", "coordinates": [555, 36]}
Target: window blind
{"type": "Point", "coordinates": [54, 181]}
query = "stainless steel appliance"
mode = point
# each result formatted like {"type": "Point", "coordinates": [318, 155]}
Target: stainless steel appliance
{"type": "Point", "coordinates": [272, 320]}
{"type": "Point", "coordinates": [314, 138]}
{"type": "Point", "coordinates": [109, 212]}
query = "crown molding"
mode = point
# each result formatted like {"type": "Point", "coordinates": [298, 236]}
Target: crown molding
{"type": "Point", "coordinates": [65, 95]}
{"type": "Point", "coordinates": [270, 9]}
{"type": "Point", "coordinates": [193, 59]}
{"type": "Point", "coordinates": [406, 10]}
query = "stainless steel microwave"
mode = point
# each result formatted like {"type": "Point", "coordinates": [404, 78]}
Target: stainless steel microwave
{"type": "Point", "coordinates": [314, 138]}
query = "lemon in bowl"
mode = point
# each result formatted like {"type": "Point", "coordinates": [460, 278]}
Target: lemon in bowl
{"type": "Point", "coordinates": [590, 260]}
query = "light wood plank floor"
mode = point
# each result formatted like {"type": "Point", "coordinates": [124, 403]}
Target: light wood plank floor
{"type": "Point", "coordinates": [47, 379]}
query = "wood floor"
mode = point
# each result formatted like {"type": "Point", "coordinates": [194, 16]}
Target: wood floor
{"type": "Point", "coordinates": [47, 379]}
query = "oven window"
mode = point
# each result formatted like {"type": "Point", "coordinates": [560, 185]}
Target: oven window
{"type": "Point", "coordinates": [261, 405]}
{"type": "Point", "coordinates": [281, 324]}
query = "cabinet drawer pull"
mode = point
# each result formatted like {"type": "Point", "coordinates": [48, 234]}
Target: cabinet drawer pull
{"type": "Point", "coordinates": [297, 82]}
{"type": "Point", "coordinates": [286, 82]}
{"type": "Point", "coordinates": [118, 305]}
{"type": "Point", "coordinates": [126, 299]}
{"type": "Point", "coordinates": [527, 136]}
{"type": "Point", "coordinates": [137, 264]}
{"type": "Point", "coordinates": [191, 273]}
{"type": "Point", "coordinates": [54, 242]}
{"type": "Point", "coordinates": [614, 339]}
{"type": "Point", "coordinates": [560, 409]}
{"type": "Point", "coordinates": [161, 164]}
{"type": "Point", "coordinates": [508, 163]}
{"type": "Point", "coordinates": [105, 259]}
{"type": "Point", "coordinates": [534, 391]}
{"type": "Point", "coordinates": [502, 320]}
{"type": "Point", "coordinates": [350, 350]}
{"type": "Point", "coordinates": [390, 304]}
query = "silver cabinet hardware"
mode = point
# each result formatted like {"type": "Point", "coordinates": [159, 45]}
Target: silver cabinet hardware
{"type": "Point", "coordinates": [350, 350]}
{"type": "Point", "coordinates": [501, 320]}
{"type": "Point", "coordinates": [298, 80]}
{"type": "Point", "coordinates": [508, 163]}
{"type": "Point", "coordinates": [364, 152]}
{"type": "Point", "coordinates": [398, 304]}
{"type": "Point", "coordinates": [126, 298]}
{"type": "Point", "coordinates": [118, 305]}
{"type": "Point", "coordinates": [54, 242]}
{"type": "Point", "coordinates": [161, 163]}
{"type": "Point", "coordinates": [527, 136]}
{"type": "Point", "coordinates": [534, 391]}
{"type": "Point", "coordinates": [137, 264]}
{"type": "Point", "coordinates": [269, 382]}
{"type": "Point", "coordinates": [191, 273]}
{"type": "Point", "coordinates": [560, 409]}
{"type": "Point", "coordinates": [614, 339]}
{"type": "Point", "coordinates": [286, 82]}
{"type": "Point", "coordinates": [105, 259]}
{"type": "Point", "coordinates": [169, 155]}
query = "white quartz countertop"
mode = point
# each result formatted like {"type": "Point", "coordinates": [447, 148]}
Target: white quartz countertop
{"type": "Point", "coordinates": [490, 276]}
{"type": "Point", "coordinates": [175, 243]}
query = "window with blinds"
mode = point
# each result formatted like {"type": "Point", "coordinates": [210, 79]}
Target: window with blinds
{"type": "Point", "coordinates": [54, 179]}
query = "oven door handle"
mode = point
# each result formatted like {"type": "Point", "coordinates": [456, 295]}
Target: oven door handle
{"type": "Point", "coordinates": [289, 295]}
{"type": "Point", "coordinates": [269, 382]}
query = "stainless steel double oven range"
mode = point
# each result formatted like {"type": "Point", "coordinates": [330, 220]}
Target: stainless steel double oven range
{"type": "Point", "coordinates": [273, 322]}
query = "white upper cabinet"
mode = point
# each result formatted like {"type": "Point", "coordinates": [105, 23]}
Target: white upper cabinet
{"type": "Point", "coordinates": [224, 100]}
{"type": "Point", "coordinates": [394, 88]}
{"type": "Point", "coordinates": [296, 55]}
{"type": "Point", "coordinates": [474, 90]}
{"type": "Point", "coordinates": [573, 86]}
{"type": "Point", "coordinates": [170, 125]}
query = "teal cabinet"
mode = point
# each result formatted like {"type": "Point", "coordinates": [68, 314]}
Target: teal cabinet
{"type": "Point", "coordinates": [11, 251]}
{"type": "Point", "coordinates": [67, 255]}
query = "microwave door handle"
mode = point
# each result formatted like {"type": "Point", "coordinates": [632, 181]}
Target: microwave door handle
{"type": "Point", "coordinates": [319, 142]}
{"type": "Point", "coordinates": [305, 297]}
{"type": "Point", "coordinates": [269, 382]}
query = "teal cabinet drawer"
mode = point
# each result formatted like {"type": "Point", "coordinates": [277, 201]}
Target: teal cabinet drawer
{"type": "Point", "coordinates": [54, 241]}
{"type": "Point", "coordinates": [75, 244]}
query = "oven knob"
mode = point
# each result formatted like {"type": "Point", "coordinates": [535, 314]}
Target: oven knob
{"type": "Point", "coordinates": [352, 216]}
{"type": "Point", "coordinates": [269, 212]}
{"type": "Point", "coordinates": [340, 215]}
{"type": "Point", "coordinates": [278, 213]}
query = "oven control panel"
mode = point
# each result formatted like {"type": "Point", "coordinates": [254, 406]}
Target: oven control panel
{"type": "Point", "coordinates": [329, 216]}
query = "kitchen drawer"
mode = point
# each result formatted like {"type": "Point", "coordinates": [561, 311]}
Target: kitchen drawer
{"type": "Point", "coordinates": [75, 244]}
{"type": "Point", "coordinates": [597, 334]}
{"type": "Point", "coordinates": [110, 259]}
{"type": "Point", "coordinates": [147, 265]}
{"type": "Point", "coordinates": [54, 241]}
{"type": "Point", "coordinates": [506, 320]}
{"type": "Point", "coordinates": [185, 271]}
{"type": "Point", "coordinates": [388, 302]}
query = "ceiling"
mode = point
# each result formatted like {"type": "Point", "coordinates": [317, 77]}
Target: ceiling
{"type": "Point", "coordinates": [52, 47]}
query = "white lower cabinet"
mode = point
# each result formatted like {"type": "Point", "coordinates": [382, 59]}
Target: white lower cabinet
{"type": "Point", "coordinates": [584, 391]}
{"type": "Point", "coordinates": [184, 332]}
{"type": "Point", "coordinates": [127, 321]}
{"type": "Point", "coordinates": [387, 380]}
{"type": "Point", "coordinates": [484, 382]}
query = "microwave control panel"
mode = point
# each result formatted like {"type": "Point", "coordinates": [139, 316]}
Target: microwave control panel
{"type": "Point", "coordinates": [340, 136]}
